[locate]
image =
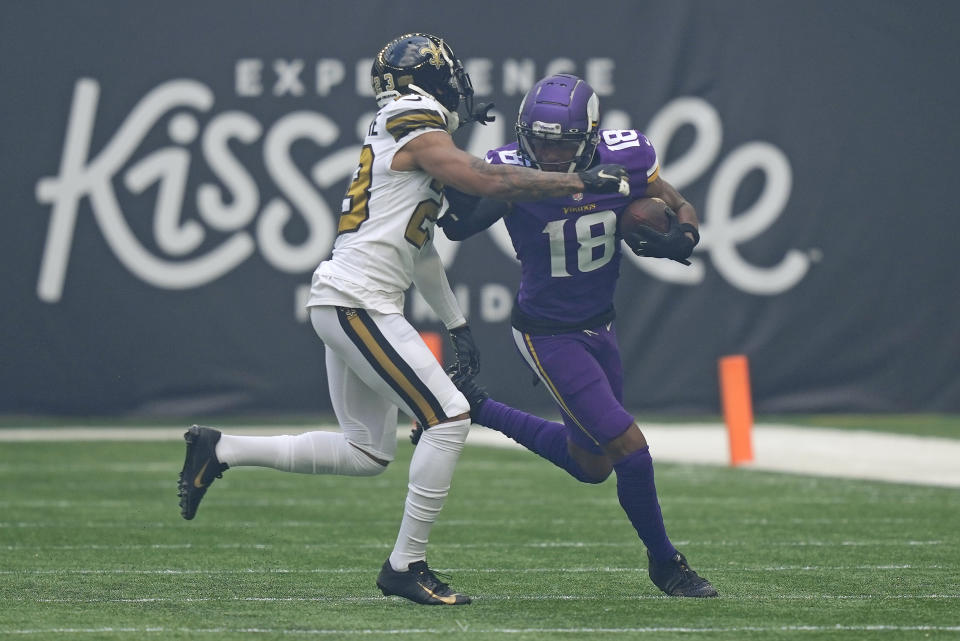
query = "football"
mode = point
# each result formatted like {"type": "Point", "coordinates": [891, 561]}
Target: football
{"type": "Point", "coordinates": [647, 212]}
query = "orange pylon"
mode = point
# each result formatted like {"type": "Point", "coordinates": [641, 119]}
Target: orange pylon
{"type": "Point", "coordinates": [737, 407]}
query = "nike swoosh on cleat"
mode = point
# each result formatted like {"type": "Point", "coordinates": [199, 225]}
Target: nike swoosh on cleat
{"type": "Point", "coordinates": [198, 480]}
{"type": "Point", "coordinates": [449, 600]}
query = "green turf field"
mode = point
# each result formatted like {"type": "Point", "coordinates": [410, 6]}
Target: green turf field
{"type": "Point", "coordinates": [92, 547]}
{"type": "Point", "coordinates": [945, 425]}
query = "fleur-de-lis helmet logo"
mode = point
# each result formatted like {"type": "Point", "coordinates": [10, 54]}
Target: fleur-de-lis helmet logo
{"type": "Point", "coordinates": [434, 55]}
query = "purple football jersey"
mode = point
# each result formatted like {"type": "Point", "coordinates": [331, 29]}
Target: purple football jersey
{"type": "Point", "coordinates": [568, 247]}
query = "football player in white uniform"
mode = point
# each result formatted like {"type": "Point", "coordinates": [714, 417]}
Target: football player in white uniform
{"type": "Point", "coordinates": [376, 361]}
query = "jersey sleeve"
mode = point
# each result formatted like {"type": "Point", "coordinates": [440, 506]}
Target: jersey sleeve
{"type": "Point", "coordinates": [630, 148]}
{"type": "Point", "coordinates": [506, 155]}
{"type": "Point", "coordinates": [648, 160]}
{"type": "Point", "coordinates": [644, 166]}
{"type": "Point", "coordinates": [405, 119]}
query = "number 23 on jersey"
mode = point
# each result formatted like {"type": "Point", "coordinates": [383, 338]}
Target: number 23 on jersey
{"type": "Point", "coordinates": [356, 204]}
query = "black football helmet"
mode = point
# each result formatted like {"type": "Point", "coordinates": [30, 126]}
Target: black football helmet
{"type": "Point", "coordinates": [424, 64]}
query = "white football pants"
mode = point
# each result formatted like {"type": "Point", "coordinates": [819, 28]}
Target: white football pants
{"type": "Point", "coordinates": [375, 363]}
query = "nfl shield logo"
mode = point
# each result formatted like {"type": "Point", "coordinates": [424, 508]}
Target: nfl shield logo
{"type": "Point", "coordinates": [578, 196]}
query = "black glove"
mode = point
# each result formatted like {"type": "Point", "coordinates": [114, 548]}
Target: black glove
{"type": "Point", "coordinates": [606, 179]}
{"type": "Point", "coordinates": [475, 394]}
{"type": "Point", "coordinates": [481, 113]}
{"type": "Point", "coordinates": [477, 113]}
{"type": "Point", "coordinates": [468, 356]}
{"type": "Point", "coordinates": [673, 243]}
{"type": "Point", "coordinates": [415, 433]}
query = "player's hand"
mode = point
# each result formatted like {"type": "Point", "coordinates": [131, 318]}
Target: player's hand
{"type": "Point", "coordinates": [481, 113]}
{"type": "Point", "coordinates": [468, 356]}
{"type": "Point", "coordinates": [606, 179]}
{"type": "Point", "coordinates": [415, 433]}
{"type": "Point", "coordinates": [673, 243]}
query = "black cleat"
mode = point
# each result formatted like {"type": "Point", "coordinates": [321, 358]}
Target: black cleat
{"type": "Point", "coordinates": [200, 467]}
{"type": "Point", "coordinates": [419, 584]}
{"type": "Point", "coordinates": [676, 578]}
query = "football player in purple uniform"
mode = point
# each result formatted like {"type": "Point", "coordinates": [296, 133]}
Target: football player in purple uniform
{"type": "Point", "coordinates": [569, 252]}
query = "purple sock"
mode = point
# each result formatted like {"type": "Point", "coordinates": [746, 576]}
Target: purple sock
{"type": "Point", "coordinates": [638, 497]}
{"type": "Point", "coordinates": [540, 436]}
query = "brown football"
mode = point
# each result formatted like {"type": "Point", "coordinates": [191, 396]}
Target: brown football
{"type": "Point", "coordinates": [649, 212]}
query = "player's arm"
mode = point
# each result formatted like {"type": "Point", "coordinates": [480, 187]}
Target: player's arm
{"type": "Point", "coordinates": [685, 212]}
{"type": "Point", "coordinates": [435, 153]}
{"type": "Point", "coordinates": [430, 278]}
{"type": "Point", "coordinates": [469, 215]}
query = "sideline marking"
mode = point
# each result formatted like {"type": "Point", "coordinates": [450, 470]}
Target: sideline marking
{"type": "Point", "coordinates": [814, 451]}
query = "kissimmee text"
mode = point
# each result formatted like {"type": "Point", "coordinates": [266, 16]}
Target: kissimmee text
{"type": "Point", "coordinates": [228, 219]}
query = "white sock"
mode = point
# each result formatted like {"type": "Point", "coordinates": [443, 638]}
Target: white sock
{"type": "Point", "coordinates": [310, 453]}
{"type": "Point", "coordinates": [431, 470]}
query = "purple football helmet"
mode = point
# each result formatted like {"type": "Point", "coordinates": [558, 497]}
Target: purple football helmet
{"type": "Point", "coordinates": [560, 111]}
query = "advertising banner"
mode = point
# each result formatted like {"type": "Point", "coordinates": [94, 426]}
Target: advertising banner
{"type": "Point", "coordinates": [172, 175]}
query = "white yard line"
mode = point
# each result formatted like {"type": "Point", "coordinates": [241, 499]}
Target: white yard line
{"type": "Point", "coordinates": [581, 570]}
{"type": "Point", "coordinates": [780, 448]}
{"type": "Point", "coordinates": [169, 433]}
{"type": "Point", "coordinates": [446, 631]}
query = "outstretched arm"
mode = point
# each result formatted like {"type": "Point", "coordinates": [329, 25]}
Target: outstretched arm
{"type": "Point", "coordinates": [435, 153]}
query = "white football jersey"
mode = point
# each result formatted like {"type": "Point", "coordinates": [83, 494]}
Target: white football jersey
{"type": "Point", "coordinates": [387, 216]}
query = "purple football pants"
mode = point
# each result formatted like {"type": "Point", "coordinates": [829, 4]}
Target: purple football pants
{"type": "Point", "coordinates": [583, 373]}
